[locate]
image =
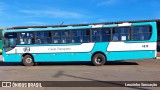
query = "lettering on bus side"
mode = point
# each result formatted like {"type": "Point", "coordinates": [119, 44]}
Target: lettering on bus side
{"type": "Point", "coordinates": [59, 49]}
{"type": "Point", "coordinates": [145, 46]}
{"type": "Point", "coordinates": [26, 49]}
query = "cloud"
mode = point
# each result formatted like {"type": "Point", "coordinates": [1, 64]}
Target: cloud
{"type": "Point", "coordinates": [54, 13]}
{"type": "Point", "coordinates": [107, 2]}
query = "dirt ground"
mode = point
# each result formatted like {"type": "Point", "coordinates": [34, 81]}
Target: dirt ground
{"type": "Point", "coordinates": [137, 70]}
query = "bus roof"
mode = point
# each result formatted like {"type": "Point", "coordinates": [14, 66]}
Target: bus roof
{"type": "Point", "coordinates": [66, 25]}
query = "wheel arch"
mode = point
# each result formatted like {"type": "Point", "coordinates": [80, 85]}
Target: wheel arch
{"type": "Point", "coordinates": [27, 54]}
{"type": "Point", "coordinates": [97, 53]}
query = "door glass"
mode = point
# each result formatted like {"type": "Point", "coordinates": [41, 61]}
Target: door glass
{"type": "Point", "coordinates": [10, 40]}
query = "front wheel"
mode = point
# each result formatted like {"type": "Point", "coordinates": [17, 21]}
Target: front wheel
{"type": "Point", "coordinates": [28, 60]}
{"type": "Point", "coordinates": [98, 59]}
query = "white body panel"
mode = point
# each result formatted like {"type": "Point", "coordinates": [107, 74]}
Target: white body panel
{"type": "Point", "coordinates": [122, 46]}
{"type": "Point", "coordinates": [97, 26]}
{"type": "Point", "coordinates": [125, 24]}
{"type": "Point", "coordinates": [85, 47]}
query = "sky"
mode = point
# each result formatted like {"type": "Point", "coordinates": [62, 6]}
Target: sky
{"type": "Point", "coordinates": [56, 12]}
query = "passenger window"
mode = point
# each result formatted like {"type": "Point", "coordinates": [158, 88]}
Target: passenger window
{"type": "Point", "coordinates": [65, 36]}
{"type": "Point", "coordinates": [121, 34]}
{"type": "Point", "coordinates": [96, 35]}
{"type": "Point", "coordinates": [61, 37]}
{"type": "Point", "coordinates": [56, 37]}
{"type": "Point", "coordinates": [26, 38]}
{"type": "Point", "coordinates": [43, 37]}
{"type": "Point", "coordinates": [85, 36]}
{"type": "Point", "coordinates": [80, 36]}
{"type": "Point", "coordinates": [141, 33]}
{"type": "Point", "coordinates": [106, 34]}
{"type": "Point", "coordinates": [76, 36]}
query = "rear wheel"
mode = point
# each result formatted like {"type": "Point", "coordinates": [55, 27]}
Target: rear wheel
{"type": "Point", "coordinates": [28, 60]}
{"type": "Point", "coordinates": [98, 59]}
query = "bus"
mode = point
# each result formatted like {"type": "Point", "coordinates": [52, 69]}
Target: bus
{"type": "Point", "coordinates": [95, 43]}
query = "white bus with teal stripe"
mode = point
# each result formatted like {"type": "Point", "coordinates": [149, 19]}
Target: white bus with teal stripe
{"type": "Point", "coordinates": [95, 43]}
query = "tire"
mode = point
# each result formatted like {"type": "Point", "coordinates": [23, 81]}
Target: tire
{"type": "Point", "coordinates": [98, 59]}
{"type": "Point", "coordinates": [28, 60]}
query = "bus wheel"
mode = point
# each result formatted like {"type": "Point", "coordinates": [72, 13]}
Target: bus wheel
{"type": "Point", "coordinates": [28, 60]}
{"type": "Point", "coordinates": [98, 59]}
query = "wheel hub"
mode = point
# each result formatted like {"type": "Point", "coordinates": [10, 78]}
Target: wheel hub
{"type": "Point", "coordinates": [98, 60]}
{"type": "Point", "coordinates": [28, 60]}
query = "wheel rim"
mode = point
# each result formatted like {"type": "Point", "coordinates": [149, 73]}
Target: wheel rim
{"type": "Point", "coordinates": [98, 60]}
{"type": "Point", "coordinates": [28, 60]}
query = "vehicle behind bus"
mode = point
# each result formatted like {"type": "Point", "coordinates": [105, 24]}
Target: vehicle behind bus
{"type": "Point", "coordinates": [0, 46]}
{"type": "Point", "coordinates": [0, 40]}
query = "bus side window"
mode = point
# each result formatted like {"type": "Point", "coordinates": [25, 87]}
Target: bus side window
{"type": "Point", "coordinates": [39, 36]}
{"type": "Point", "coordinates": [38, 40]}
{"type": "Point", "coordinates": [43, 37]}
{"type": "Point", "coordinates": [115, 35]}
{"type": "Point", "coordinates": [65, 38]}
{"type": "Point", "coordinates": [96, 35]}
{"type": "Point", "coordinates": [141, 32]}
{"type": "Point", "coordinates": [85, 36]}
{"type": "Point", "coordinates": [56, 37]}
{"type": "Point", "coordinates": [105, 34]}
{"type": "Point", "coordinates": [76, 36]}
{"type": "Point", "coordinates": [121, 34]}
{"type": "Point", "coordinates": [26, 38]}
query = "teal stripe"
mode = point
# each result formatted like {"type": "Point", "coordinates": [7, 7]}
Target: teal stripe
{"type": "Point", "coordinates": [130, 55]}
{"type": "Point", "coordinates": [49, 29]}
{"type": "Point", "coordinates": [33, 45]}
{"type": "Point", "coordinates": [112, 25]}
